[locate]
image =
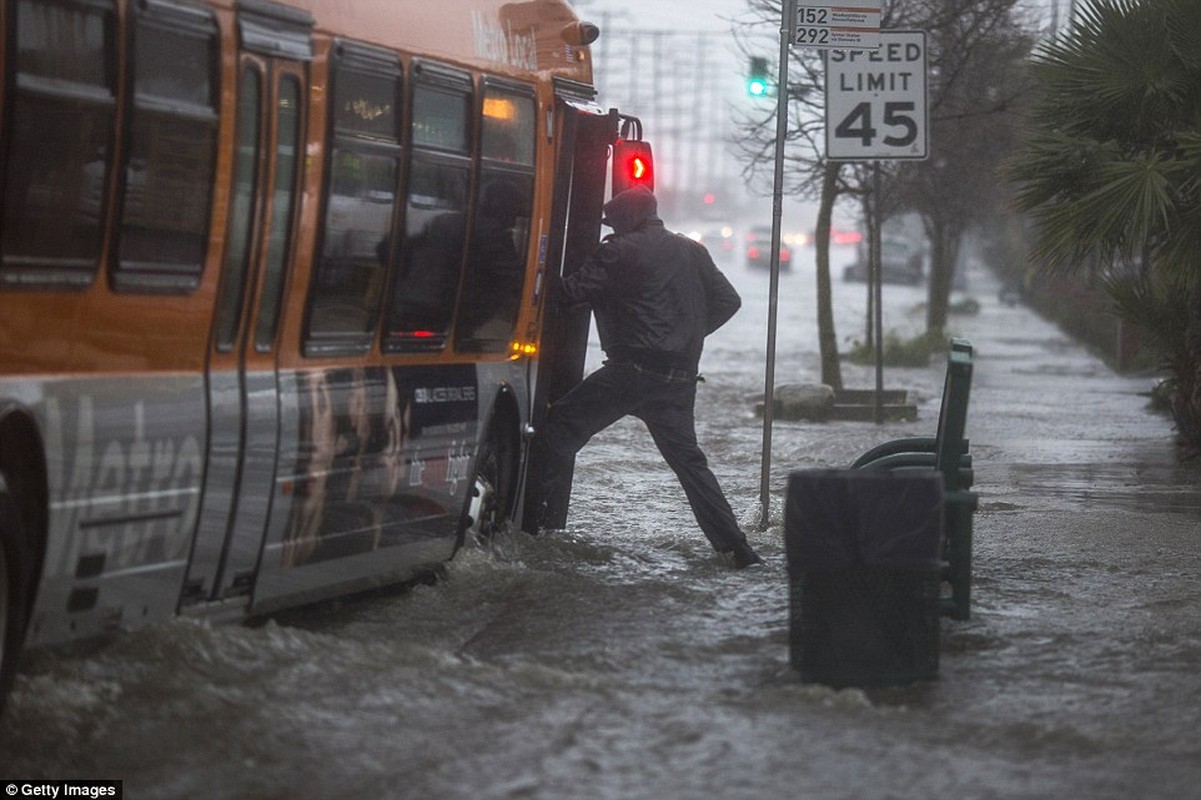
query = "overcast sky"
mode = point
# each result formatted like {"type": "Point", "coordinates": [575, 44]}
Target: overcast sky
{"type": "Point", "coordinates": [715, 14]}
{"type": "Point", "coordinates": [664, 14]}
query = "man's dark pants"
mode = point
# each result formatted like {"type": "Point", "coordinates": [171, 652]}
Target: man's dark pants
{"type": "Point", "coordinates": [664, 400]}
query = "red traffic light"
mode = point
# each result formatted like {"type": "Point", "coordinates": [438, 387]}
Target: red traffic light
{"type": "Point", "coordinates": [633, 165]}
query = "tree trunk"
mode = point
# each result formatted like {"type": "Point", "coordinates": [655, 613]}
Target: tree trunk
{"type": "Point", "coordinates": [1188, 418]}
{"type": "Point", "coordinates": [827, 340]}
{"type": "Point", "coordinates": [865, 255]}
{"type": "Point", "coordinates": [944, 252]}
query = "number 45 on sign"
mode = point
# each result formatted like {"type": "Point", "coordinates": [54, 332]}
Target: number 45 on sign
{"type": "Point", "coordinates": [876, 100]}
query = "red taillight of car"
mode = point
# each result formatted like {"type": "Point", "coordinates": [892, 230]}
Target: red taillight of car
{"type": "Point", "coordinates": [785, 254]}
{"type": "Point", "coordinates": [752, 252]}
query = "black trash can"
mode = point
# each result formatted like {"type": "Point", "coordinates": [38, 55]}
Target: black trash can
{"type": "Point", "coordinates": [864, 568]}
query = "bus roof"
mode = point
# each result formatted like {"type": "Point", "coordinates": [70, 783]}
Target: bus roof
{"type": "Point", "coordinates": [516, 38]}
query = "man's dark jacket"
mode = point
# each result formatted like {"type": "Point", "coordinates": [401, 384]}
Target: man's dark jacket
{"type": "Point", "coordinates": [656, 294]}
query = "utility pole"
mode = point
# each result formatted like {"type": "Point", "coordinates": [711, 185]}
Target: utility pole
{"type": "Point", "coordinates": [670, 78]}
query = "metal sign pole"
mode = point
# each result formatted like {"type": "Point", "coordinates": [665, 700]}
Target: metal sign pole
{"type": "Point", "coordinates": [877, 276]}
{"type": "Point", "coordinates": [777, 208]}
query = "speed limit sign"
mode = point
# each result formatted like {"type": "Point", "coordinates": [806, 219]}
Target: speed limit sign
{"type": "Point", "coordinates": [876, 100]}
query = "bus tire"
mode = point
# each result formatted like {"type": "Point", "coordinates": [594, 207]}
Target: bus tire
{"type": "Point", "coordinates": [12, 594]}
{"type": "Point", "coordinates": [493, 491]}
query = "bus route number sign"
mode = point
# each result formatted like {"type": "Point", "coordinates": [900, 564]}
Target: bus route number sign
{"type": "Point", "coordinates": [836, 23]}
{"type": "Point", "coordinates": [876, 100]}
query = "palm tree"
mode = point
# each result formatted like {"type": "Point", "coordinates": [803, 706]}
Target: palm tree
{"type": "Point", "coordinates": [1111, 171]}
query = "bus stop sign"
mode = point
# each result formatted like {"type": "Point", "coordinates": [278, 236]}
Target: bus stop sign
{"type": "Point", "coordinates": [826, 23]}
{"type": "Point", "coordinates": [876, 100]}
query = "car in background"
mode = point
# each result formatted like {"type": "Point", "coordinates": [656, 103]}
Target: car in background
{"type": "Point", "coordinates": [845, 236]}
{"type": "Point", "coordinates": [719, 241]}
{"type": "Point", "coordinates": [900, 262]}
{"type": "Point", "coordinates": [758, 249]}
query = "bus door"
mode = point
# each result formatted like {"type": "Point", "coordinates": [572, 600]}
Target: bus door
{"type": "Point", "coordinates": [243, 390]}
{"type": "Point", "coordinates": [584, 133]}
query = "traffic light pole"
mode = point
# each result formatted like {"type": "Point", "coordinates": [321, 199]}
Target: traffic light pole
{"type": "Point", "coordinates": [777, 208]}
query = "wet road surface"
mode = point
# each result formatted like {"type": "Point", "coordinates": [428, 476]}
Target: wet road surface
{"type": "Point", "coordinates": [622, 659]}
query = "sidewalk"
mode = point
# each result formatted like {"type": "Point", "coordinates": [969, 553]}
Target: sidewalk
{"type": "Point", "coordinates": [1087, 557]}
{"type": "Point", "coordinates": [1048, 419]}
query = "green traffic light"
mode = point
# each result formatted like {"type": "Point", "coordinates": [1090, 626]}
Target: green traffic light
{"type": "Point", "coordinates": [756, 82]}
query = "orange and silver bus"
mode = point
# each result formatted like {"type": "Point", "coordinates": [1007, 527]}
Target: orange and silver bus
{"type": "Point", "coordinates": [272, 314]}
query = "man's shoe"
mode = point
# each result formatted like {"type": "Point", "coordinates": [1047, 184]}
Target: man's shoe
{"type": "Point", "coordinates": [744, 556]}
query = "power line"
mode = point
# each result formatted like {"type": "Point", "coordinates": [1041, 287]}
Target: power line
{"type": "Point", "coordinates": [680, 83]}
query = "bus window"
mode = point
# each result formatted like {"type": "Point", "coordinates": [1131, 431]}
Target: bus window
{"type": "Point", "coordinates": [287, 145]}
{"type": "Point", "coordinates": [241, 216]}
{"type": "Point", "coordinates": [496, 255]}
{"type": "Point", "coordinates": [172, 150]}
{"type": "Point", "coordinates": [431, 259]}
{"type": "Point", "coordinates": [435, 227]}
{"type": "Point", "coordinates": [59, 143]}
{"type": "Point", "coordinates": [364, 171]}
{"type": "Point", "coordinates": [440, 119]}
{"type": "Point", "coordinates": [507, 132]}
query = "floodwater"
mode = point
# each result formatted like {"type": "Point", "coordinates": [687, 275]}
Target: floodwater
{"type": "Point", "coordinates": [622, 659]}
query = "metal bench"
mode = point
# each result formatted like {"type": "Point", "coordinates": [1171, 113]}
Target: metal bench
{"type": "Point", "coordinates": [947, 452]}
